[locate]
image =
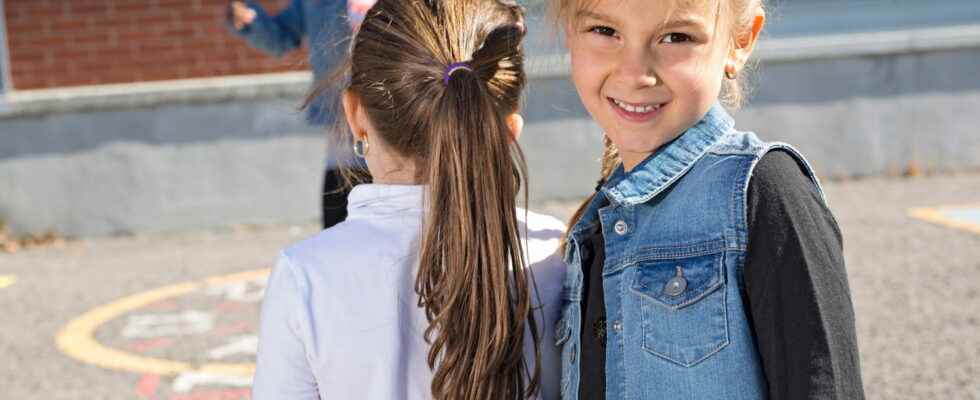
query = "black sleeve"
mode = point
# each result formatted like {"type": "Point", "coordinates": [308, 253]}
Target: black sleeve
{"type": "Point", "coordinates": [796, 287]}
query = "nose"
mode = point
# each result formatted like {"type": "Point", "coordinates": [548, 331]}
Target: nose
{"type": "Point", "coordinates": [636, 67]}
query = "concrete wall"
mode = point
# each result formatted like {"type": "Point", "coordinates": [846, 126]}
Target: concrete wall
{"type": "Point", "coordinates": [4, 59]}
{"type": "Point", "coordinates": [169, 167]}
{"type": "Point", "coordinates": [876, 115]}
{"type": "Point", "coordinates": [196, 158]}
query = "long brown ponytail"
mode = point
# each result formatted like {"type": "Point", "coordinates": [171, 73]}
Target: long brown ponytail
{"type": "Point", "coordinates": [473, 281]}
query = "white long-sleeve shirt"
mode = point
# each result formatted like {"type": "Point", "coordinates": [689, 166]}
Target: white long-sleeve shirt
{"type": "Point", "coordinates": [340, 318]}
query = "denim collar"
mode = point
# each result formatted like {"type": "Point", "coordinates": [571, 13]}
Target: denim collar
{"type": "Point", "coordinates": [658, 171]}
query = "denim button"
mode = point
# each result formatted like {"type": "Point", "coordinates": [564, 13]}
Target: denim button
{"type": "Point", "coordinates": [620, 227]}
{"type": "Point", "coordinates": [617, 326]}
{"type": "Point", "coordinates": [676, 285]}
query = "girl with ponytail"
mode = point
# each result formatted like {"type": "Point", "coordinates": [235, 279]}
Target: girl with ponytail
{"type": "Point", "coordinates": [437, 285]}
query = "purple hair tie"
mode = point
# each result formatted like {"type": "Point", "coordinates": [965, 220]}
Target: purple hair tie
{"type": "Point", "coordinates": [456, 66]}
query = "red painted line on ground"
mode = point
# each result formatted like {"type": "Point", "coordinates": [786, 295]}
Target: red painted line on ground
{"type": "Point", "coordinates": [232, 329]}
{"type": "Point", "coordinates": [141, 346]}
{"type": "Point", "coordinates": [147, 386]}
{"type": "Point", "coordinates": [215, 394]}
{"type": "Point", "coordinates": [168, 305]}
{"type": "Point", "coordinates": [227, 306]}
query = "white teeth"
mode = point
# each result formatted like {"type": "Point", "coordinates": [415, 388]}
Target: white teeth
{"type": "Point", "coordinates": [635, 109]}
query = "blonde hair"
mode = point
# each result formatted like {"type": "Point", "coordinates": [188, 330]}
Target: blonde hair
{"type": "Point", "coordinates": [735, 18]}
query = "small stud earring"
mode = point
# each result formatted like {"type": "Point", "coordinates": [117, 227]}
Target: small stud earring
{"type": "Point", "coordinates": [361, 147]}
{"type": "Point", "coordinates": [730, 71]}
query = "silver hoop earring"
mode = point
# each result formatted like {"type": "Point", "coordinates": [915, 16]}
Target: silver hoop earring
{"type": "Point", "coordinates": [361, 148]}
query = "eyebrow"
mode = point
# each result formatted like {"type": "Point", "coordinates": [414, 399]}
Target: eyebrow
{"type": "Point", "coordinates": [683, 22]}
{"type": "Point", "coordinates": [672, 24]}
{"type": "Point", "coordinates": [594, 15]}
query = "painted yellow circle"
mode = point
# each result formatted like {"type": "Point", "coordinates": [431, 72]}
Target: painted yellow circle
{"type": "Point", "coordinates": [7, 280]}
{"type": "Point", "coordinates": [77, 338]}
{"type": "Point", "coordinates": [935, 215]}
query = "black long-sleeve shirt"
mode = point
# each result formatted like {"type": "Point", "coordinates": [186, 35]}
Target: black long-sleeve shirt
{"type": "Point", "coordinates": [799, 304]}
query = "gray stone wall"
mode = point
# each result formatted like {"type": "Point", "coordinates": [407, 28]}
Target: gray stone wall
{"type": "Point", "coordinates": [162, 160]}
{"type": "Point", "coordinates": [157, 169]}
{"type": "Point", "coordinates": [877, 115]}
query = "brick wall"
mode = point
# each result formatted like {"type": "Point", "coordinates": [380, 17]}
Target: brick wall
{"type": "Point", "coordinates": [55, 43]}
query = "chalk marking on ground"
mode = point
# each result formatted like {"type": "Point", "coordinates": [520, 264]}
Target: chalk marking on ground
{"type": "Point", "coordinates": [7, 281]}
{"type": "Point", "coordinates": [149, 326]}
{"type": "Point", "coordinates": [147, 386]}
{"type": "Point", "coordinates": [246, 291]}
{"type": "Point", "coordinates": [77, 338]}
{"type": "Point", "coordinates": [186, 381]}
{"type": "Point", "coordinates": [941, 216]}
{"type": "Point", "coordinates": [242, 344]}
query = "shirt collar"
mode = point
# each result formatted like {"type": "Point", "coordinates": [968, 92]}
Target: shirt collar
{"type": "Point", "coordinates": [670, 162]}
{"type": "Point", "coordinates": [374, 199]}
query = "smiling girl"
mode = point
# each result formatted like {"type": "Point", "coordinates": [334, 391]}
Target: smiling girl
{"type": "Point", "coordinates": [707, 264]}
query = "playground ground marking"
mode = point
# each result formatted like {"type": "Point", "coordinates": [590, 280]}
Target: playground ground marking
{"type": "Point", "coordinates": [965, 217]}
{"type": "Point", "coordinates": [77, 338]}
{"type": "Point", "coordinates": [7, 281]}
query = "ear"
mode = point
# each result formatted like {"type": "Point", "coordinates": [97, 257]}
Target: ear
{"type": "Point", "coordinates": [515, 122]}
{"type": "Point", "coordinates": [354, 114]}
{"type": "Point", "coordinates": [745, 41]}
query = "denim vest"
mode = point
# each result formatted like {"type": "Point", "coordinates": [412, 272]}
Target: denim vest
{"type": "Point", "coordinates": [675, 243]}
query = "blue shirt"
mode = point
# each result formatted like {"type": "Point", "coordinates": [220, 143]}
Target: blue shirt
{"type": "Point", "coordinates": [324, 23]}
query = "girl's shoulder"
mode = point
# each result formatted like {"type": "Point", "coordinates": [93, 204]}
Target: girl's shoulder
{"type": "Point", "coordinates": [362, 247]}
{"type": "Point", "coordinates": [544, 225]}
{"type": "Point", "coordinates": [543, 234]}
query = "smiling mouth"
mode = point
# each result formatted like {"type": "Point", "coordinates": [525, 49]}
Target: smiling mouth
{"type": "Point", "coordinates": [635, 111]}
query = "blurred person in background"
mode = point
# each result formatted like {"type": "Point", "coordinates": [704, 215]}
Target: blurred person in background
{"type": "Point", "coordinates": [327, 25]}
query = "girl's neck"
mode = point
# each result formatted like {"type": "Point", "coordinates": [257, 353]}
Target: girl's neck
{"type": "Point", "coordinates": [394, 179]}
{"type": "Point", "coordinates": [391, 172]}
{"type": "Point", "coordinates": [388, 167]}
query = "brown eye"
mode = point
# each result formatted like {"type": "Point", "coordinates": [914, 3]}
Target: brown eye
{"type": "Point", "coordinates": [675, 37]}
{"type": "Point", "coordinates": [603, 30]}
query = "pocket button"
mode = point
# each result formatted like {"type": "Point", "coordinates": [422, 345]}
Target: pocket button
{"type": "Point", "coordinates": [620, 227]}
{"type": "Point", "coordinates": [676, 285]}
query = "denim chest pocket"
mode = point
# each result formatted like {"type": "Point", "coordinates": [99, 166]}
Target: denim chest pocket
{"type": "Point", "coordinates": [683, 307]}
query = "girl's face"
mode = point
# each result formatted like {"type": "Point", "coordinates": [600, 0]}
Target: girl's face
{"type": "Point", "coordinates": [646, 70]}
